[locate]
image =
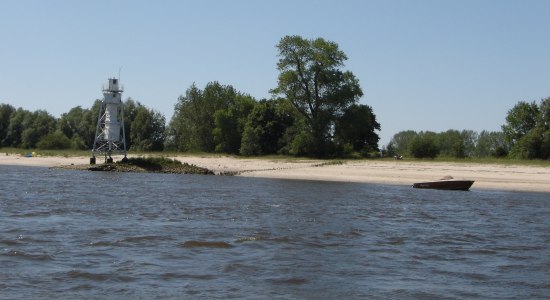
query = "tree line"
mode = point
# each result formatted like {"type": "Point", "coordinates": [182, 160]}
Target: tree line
{"type": "Point", "coordinates": [525, 135]}
{"type": "Point", "coordinates": [20, 128]}
{"type": "Point", "coordinates": [314, 111]}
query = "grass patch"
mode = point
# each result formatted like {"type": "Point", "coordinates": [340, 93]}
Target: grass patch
{"type": "Point", "coordinates": [156, 164]}
{"type": "Point", "coordinates": [335, 162]}
{"type": "Point", "coordinates": [151, 162]}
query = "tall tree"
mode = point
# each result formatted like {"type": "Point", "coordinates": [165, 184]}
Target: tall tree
{"type": "Point", "coordinates": [230, 123]}
{"type": "Point", "coordinates": [424, 145]}
{"type": "Point", "coordinates": [192, 125]}
{"type": "Point", "coordinates": [528, 130]}
{"type": "Point", "coordinates": [79, 126]}
{"type": "Point", "coordinates": [19, 120]}
{"type": "Point", "coordinates": [40, 124]}
{"type": "Point", "coordinates": [6, 112]}
{"type": "Point", "coordinates": [310, 77]}
{"type": "Point", "coordinates": [520, 120]}
{"type": "Point", "coordinates": [356, 127]}
{"type": "Point", "coordinates": [401, 141]}
{"type": "Point", "coordinates": [451, 144]}
{"type": "Point", "coordinates": [491, 144]}
{"type": "Point", "coordinates": [147, 130]}
{"type": "Point", "coordinates": [265, 128]}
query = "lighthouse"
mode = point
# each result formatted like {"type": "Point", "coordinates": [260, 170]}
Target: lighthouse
{"type": "Point", "coordinates": [109, 134]}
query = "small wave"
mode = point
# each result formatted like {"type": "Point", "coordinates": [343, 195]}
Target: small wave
{"type": "Point", "coordinates": [254, 238]}
{"type": "Point", "coordinates": [475, 251]}
{"type": "Point", "coordinates": [292, 281]}
{"type": "Point", "coordinates": [32, 214]}
{"type": "Point", "coordinates": [129, 240]}
{"type": "Point", "coordinates": [103, 243]}
{"type": "Point", "coordinates": [464, 275]}
{"type": "Point", "coordinates": [21, 254]}
{"type": "Point", "coordinates": [145, 238]}
{"type": "Point", "coordinates": [171, 275]}
{"type": "Point", "coordinates": [396, 240]}
{"type": "Point", "coordinates": [346, 234]}
{"type": "Point", "coordinates": [89, 275]}
{"type": "Point", "coordinates": [9, 242]}
{"type": "Point", "coordinates": [207, 244]}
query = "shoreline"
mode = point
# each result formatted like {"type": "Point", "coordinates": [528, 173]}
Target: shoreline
{"type": "Point", "coordinates": [491, 177]}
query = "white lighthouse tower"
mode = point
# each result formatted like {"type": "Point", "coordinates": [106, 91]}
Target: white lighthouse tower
{"type": "Point", "coordinates": [109, 134]}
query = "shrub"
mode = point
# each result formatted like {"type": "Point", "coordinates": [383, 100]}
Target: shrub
{"type": "Point", "coordinates": [424, 147]}
{"type": "Point", "coordinates": [54, 141]}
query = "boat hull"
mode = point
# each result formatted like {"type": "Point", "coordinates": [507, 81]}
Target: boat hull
{"type": "Point", "coordinates": [454, 185]}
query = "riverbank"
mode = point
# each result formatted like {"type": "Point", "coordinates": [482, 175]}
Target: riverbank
{"type": "Point", "coordinates": [486, 176]}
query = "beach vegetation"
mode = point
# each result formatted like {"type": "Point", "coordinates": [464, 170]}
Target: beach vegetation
{"type": "Point", "coordinates": [424, 145]}
{"type": "Point", "coordinates": [192, 125]}
{"type": "Point", "coordinates": [312, 80]}
{"type": "Point", "coordinates": [269, 128]}
{"type": "Point", "coordinates": [527, 129]}
{"type": "Point", "coordinates": [54, 140]}
{"type": "Point", "coordinates": [314, 112]}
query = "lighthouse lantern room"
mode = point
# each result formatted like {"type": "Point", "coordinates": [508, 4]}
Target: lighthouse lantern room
{"type": "Point", "coordinates": [109, 134]}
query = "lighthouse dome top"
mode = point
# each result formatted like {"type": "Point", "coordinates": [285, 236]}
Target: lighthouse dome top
{"type": "Point", "coordinates": [114, 86]}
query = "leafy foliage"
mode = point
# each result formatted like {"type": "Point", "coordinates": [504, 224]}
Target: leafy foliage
{"type": "Point", "coordinates": [265, 128]}
{"type": "Point", "coordinates": [147, 129]}
{"type": "Point", "coordinates": [401, 141]}
{"type": "Point", "coordinates": [311, 79]}
{"type": "Point", "coordinates": [230, 123]}
{"type": "Point", "coordinates": [6, 111]}
{"type": "Point", "coordinates": [209, 120]}
{"type": "Point", "coordinates": [528, 129]}
{"type": "Point", "coordinates": [356, 128]}
{"type": "Point", "coordinates": [54, 141]}
{"type": "Point", "coordinates": [193, 121]}
{"type": "Point", "coordinates": [425, 145]}
{"type": "Point", "coordinates": [79, 126]}
{"type": "Point", "coordinates": [520, 120]}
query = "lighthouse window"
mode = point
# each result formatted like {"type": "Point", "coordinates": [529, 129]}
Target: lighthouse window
{"type": "Point", "coordinates": [114, 81]}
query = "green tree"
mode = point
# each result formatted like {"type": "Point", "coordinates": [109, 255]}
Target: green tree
{"type": "Point", "coordinates": [529, 146]}
{"type": "Point", "coordinates": [401, 141]}
{"type": "Point", "coordinates": [79, 126]}
{"type": "Point", "coordinates": [470, 138]}
{"type": "Point", "coordinates": [192, 125]}
{"type": "Point", "coordinates": [266, 128]}
{"type": "Point", "coordinates": [311, 80]}
{"type": "Point", "coordinates": [40, 124]}
{"type": "Point", "coordinates": [230, 123]}
{"type": "Point", "coordinates": [55, 140]}
{"type": "Point", "coordinates": [491, 144]}
{"type": "Point", "coordinates": [451, 144]}
{"type": "Point", "coordinates": [356, 127]}
{"type": "Point", "coordinates": [6, 111]}
{"type": "Point", "coordinates": [520, 120]}
{"type": "Point", "coordinates": [19, 120]}
{"type": "Point", "coordinates": [424, 145]}
{"type": "Point", "coordinates": [147, 130]}
{"type": "Point", "coordinates": [130, 112]}
{"type": "Point", "coordinates": [528, 130]}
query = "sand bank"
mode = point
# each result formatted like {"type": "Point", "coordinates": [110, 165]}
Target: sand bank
{"type": "Point", "coordinates": [486, 176]}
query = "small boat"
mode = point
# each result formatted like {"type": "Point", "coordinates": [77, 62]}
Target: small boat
{"type": "Point", "coordinates": [445, 183]}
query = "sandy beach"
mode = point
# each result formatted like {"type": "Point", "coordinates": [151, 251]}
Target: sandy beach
{"type": "Point", "coordinates": [486, 176]}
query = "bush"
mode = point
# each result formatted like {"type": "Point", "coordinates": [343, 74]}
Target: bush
{"type": "Point", "coordinates": [424, 147]}
{"type": "Point", "coordinates": [54, 141]}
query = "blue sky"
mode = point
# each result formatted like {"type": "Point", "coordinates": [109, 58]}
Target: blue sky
{"type": "Point", "coordinates": [423, 65]}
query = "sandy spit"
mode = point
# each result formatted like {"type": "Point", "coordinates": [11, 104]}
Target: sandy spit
{"type": "Point", "coordinates": [486, 176]}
